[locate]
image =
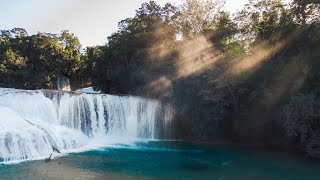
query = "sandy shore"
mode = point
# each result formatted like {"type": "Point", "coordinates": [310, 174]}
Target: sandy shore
{"type": "Point", "coordinates": [55, 170]}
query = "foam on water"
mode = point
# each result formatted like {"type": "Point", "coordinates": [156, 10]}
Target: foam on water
{"type": "Point", "coordinates": [32, 122]}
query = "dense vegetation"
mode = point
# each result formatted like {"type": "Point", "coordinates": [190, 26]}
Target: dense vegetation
{"type": "Point", "coordinates": [247, 77]}
{"type": "Point", "coordinates": [35, 61]}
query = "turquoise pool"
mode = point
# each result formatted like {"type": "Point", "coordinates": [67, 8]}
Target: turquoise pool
{"type": "Point", "coordinates": [168, 160]}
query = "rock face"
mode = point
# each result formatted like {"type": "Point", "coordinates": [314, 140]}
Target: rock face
{"type": "Point", "coordinates": [63, 83]}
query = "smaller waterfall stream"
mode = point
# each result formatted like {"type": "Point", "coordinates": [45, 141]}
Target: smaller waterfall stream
{"type": "Point", "coordinates": [31, 122]}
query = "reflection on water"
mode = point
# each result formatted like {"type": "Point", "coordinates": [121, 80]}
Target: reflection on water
{"type": "Point", "coordinates": [168, 160]}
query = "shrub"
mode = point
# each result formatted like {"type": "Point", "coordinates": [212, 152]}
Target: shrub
{"type": "Point", "coordinates": [302, 119]}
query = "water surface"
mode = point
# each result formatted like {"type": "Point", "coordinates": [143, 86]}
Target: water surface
{"type": "Point", "coordinates": [168, 160]}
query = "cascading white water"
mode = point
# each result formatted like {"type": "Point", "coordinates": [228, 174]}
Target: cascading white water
{"type": "Point", "coordinates": [97, 115]}
{"type": "Point", "coordinates": [32, 122]}
{"type": "Point", "coordinates": [167, 121]}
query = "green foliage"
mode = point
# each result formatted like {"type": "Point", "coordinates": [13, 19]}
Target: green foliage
{"type": "Point", "coordinates": [223, 37]}
{"type": "Point", "coordinates": [197, 16]}
{"type": "Point", "coordinates": [305, 11]}
{"type": "Point", "coordinates": [302, 119]}
{"type": "Point", "coordinates": [211, 101]}
{"type": "Point", "coordinates": [152, 26]}
{"type": "Point", "coordinates": [48, 55]}
{"type": "Point", "coordinates": [265, 20]}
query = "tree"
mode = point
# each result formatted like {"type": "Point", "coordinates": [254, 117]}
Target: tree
{"type": "Point", "coordinates": [49, 55]}
{"type": "Point", "coordinates": [151, 27]}
{"type": "Point", "coordinates": [196, 16]}
{"type": "Point", "coordinates": [92, 56]}
{"type": "Point", "coordinates": [264, 20]}
{"type": "Point", "coordinates": [305, 10]}
{"type": "Point", "coordinates": [19, 32]}
{"type": "Point", "coordinates": [223, 36]}
{"type": "Point", "coordinates": [301, 117]}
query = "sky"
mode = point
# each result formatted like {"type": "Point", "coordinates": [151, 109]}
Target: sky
{"type": "Point", "coordinates": [92, 21]}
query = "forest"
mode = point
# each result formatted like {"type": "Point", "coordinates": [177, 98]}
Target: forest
{"type": "Point", "coordinates": [249, 77]}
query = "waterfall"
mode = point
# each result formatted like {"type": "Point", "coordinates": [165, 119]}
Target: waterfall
{"type": "Point", "coordinates": [167, 121]}
{"type": "Point", "coordinates": [34, 121]}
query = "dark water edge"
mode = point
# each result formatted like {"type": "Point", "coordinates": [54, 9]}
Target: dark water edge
{"type": "Point", "coordinates": [169, 160]}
